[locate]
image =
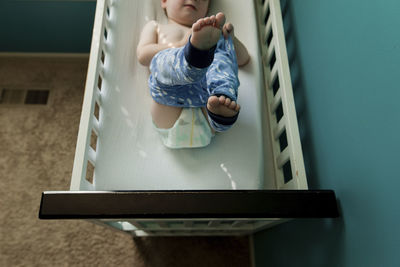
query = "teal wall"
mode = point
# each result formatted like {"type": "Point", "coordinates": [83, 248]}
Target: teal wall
{"type": "Point", "coordinates": [345, 59]}
{"type": "Point", "coordinates": [46, 26]}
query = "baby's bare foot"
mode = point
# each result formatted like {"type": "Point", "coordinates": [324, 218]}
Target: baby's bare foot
{"type": "Point", "coordinates": [222, 106]}
{"type": "Point", "coordinates": [207, 31]}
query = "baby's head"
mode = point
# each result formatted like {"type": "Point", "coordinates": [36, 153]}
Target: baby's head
{"type": "Point", "coordinates": [185, 12]}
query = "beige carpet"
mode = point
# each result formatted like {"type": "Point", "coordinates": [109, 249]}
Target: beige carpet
{"type": "Point", "coordinates": [37, 145]}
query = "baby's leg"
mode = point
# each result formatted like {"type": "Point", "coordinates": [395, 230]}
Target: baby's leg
{"type": "Point", "coordinates": [178, 76]}
{"type": "Point", "coordinates": [189, 64]}
{"type": "Point", "coordinates": [223, 83]}
{"type": "Point", "coordinates": [169, 67]}
{"type": "Point", "coordinates": [164, 117]}
{"type": "Point", "coordinates": [174, 84]}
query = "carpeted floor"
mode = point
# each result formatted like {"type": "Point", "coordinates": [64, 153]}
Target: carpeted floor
{"type": "Point", "coordinates": [37, 145]}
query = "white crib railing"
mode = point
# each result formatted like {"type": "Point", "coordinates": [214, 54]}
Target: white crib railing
{"type": "Point", "coordinates": [190, 227]}
{"type": "Point", "coordinates": [289, 163]}
{"type": "Point", "coordinates": [90, 123]}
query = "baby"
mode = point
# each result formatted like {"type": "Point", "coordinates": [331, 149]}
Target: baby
{"type": "Point", "coordinates": [194, 63]}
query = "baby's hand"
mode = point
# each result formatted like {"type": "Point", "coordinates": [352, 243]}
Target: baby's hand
{"type": "Point", "coordinates": [228, 30]}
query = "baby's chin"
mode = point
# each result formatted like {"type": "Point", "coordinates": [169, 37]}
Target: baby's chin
{"type": "Point", "coordinates": [187, 21]}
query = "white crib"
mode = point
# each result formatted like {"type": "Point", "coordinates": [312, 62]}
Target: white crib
{"type": "Point", "coordinates": [250, 178]}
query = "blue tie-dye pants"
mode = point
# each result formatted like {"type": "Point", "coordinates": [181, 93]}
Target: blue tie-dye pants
{"type": "Point", "coordinates": [176, 82]}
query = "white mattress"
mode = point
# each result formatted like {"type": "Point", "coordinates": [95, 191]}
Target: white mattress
{"type": "Point", "coordinates": [130, 155]}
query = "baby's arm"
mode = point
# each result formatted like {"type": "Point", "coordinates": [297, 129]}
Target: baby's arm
{"type": "Point", "coordinates": [148, 44]}
{"type": "Point", "coordinates": [242, 54]}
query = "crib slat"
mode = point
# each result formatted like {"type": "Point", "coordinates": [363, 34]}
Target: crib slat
{"type": "Point", "coordinates": [163, 224]}
{"type": "Point", "coordinates": [104, 48]}
{"type": "Point", "coordinates": [107, 23]}
{"type": "Point", "coordinates": [188, 224]}
{"type": "Point", "coordinates": [238, 224]}
{"type": "Point", "coordinates": [101, 70]}
{"type": "Point", "coordinates": [214, 223]}
{"type": "Point", "coordinates": [92, 155]}
{"type": "Point", "coordinates": [111, 2]}
{"type": "Point", "coordinates": [97, 96]}
{"type": "Point", "coordinates": [274, 75]}
{"type": "Point", "coordinates": [277, 100]}
{"type": "Point", "coordinates": [283, 157]}
{"type": "Point", "coordinates": [280, 128]}
{"type": "Point", "coordinates": [95, 124]}
{"type": "Point", "coordinates": [267, 30]}
{"type": "Point", "coordinates": [265, 7]}
{"type": "Point", "coordinates": [136, 224]}
{"type": "Point", "coordinates": [270, 51]}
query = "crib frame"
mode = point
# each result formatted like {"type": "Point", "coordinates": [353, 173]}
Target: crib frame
{"type": "Point", "coordinates": [205, 212]}
{"type": "Point", "coordinates": [199, 212]}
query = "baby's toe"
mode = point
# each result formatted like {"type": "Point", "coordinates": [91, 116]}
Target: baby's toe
{"type": "Point", "coordinates": [213, 101]}
{"type": "Point", "coordinates": [237, 108]}
{"type": "Point", "coordinates": [197, 25]}
{"type": "Point", "coordinates": [212, 19]}
{"type": "Point", "coordinates": [220, 20]}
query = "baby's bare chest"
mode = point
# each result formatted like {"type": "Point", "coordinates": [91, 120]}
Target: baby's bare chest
{"type": "Point", "coordinates": [171, 33]}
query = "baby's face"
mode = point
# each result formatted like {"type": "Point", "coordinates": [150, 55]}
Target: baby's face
{"type": "Point", "coordinates": [185, 12]}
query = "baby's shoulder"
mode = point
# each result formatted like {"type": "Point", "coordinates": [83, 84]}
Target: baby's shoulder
{"type": "Point", "coordinates": [152, 25]}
